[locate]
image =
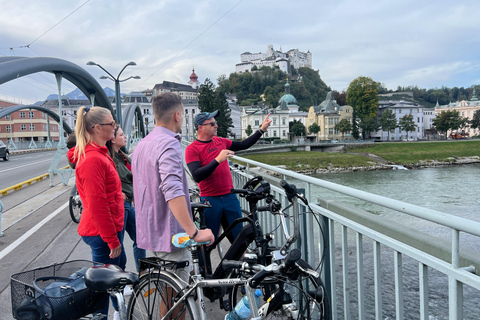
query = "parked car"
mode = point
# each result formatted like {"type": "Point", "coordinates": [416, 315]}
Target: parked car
{"type": "Point", "coordinates": [4, 153]}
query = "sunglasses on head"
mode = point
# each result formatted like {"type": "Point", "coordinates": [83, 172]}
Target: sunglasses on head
{"type": "Point", "coordinates": [213, 123]}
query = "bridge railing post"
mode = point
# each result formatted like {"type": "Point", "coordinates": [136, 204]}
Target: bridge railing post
{"type": "Point", "coordinates": [1, 210]}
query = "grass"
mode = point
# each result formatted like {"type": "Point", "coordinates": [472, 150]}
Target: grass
{"type": "Point", "coordinates": [414, 152]}
{"type": "Point", "coordinates": [310, 160]}
{"type": "Point", "coordinates": [398, 153]}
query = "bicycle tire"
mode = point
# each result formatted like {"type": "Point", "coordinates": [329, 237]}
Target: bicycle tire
{"type": "Point", "coordinates": [75, 205]}
{"type": "Point", "coordinates": [315, 296]}
{"type": "Point", "coordinates": [149, 294]}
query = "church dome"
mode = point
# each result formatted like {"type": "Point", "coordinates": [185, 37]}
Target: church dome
{"type": "Point", "coordinates": [193, 76]}
{"type": "Point", "coordinates": [289, 99]}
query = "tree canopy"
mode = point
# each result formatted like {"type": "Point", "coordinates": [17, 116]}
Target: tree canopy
{"type": "Point", "coordinates": [407, 124]}
{"type": "Point", "coordinates": [307, 87]}
{"type": "Point", "coordinates": [210, 99]}
{"type": "Point", "coordinates": [297, 128]}
{"type": "Point", "coordinates": [447, 120]}
{"type": "Point", "coordinates": [388, 121]}
{"type": "Point", "coordinates": [362, 95]}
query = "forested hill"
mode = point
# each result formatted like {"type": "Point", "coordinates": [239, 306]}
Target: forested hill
{"type": "Point", "coordinates": [305, 85]}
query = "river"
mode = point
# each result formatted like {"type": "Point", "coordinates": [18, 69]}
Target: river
{"type": "Point", "coordinates": [454, 190]}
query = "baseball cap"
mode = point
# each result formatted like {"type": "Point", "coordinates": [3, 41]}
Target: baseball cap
{"type": "Point", "coordinates": [202, 116]}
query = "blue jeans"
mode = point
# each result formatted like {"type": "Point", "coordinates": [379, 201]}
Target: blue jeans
{"type": "Point", "coordinates": [225, 209]}
{"type": "Point", "coordinates": [131, 229]}
{"type": "Point", "coordinates": [100, 253]}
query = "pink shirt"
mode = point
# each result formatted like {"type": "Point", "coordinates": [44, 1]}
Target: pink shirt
{"type": "Point", "coordinates": [158, 176]}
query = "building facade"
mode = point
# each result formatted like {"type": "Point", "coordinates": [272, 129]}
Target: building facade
{"type": "Point", "coordinates": [292, 58]}
{"type": "Point", "coordinates": [27, 125]}
{"type": "Point", "coordinates": [465, 109]}
{"type": "Point", "coordinates": [326, 115]}
{"type": "Point", "coordinates": [401, 108]}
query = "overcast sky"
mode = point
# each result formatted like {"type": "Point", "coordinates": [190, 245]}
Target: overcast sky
{"type": "Point", "coordinates": [399, 43]}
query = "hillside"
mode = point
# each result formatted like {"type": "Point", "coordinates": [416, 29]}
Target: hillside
{"type": "Point", "coordinates": [305, 85]}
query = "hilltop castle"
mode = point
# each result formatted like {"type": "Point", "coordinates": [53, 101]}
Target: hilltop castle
{"type": "Point", "coordinates": [292, 58]}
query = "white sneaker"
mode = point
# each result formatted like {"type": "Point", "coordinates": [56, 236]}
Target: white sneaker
{"type": "Point", "coordinates": [116, 315]}
{"type": "Point", "coordinates": [127, 291]}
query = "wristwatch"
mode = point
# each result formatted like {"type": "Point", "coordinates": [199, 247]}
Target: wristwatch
{"type": "Point", "coordinates": [261, 131]}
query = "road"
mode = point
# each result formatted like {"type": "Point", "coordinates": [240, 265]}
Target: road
{"type": "Point", "coordinates": [38, 230]}
{"type": "Point", "coordinates": [25, 166]}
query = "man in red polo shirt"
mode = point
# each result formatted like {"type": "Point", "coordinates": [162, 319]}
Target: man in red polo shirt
{"type": "Point", "coordinates": [205, 158]}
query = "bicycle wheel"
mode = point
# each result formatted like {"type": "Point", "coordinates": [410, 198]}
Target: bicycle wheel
{"type": "Point", "coordinates": [75, 205]}
{"type": "Point", "coordinates": [307, 292]}
{"type": "Point", "coordinates": [156, 294]}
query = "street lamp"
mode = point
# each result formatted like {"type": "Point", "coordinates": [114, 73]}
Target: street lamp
{"type": "Point", "coordinates": [117, 86]}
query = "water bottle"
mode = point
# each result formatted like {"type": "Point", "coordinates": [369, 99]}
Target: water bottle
{"type": "Point", "coordinates": [242, 309]}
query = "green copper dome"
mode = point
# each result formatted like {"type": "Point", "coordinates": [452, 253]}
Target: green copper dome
{"type": "Point", "coordinates": [289, 99]}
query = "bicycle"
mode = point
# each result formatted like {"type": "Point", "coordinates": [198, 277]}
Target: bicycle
{"type": "Point", "coordinates": [75, 205]}
{"type": "Point", "coordinates": [69, 290]}
{"type": "Point", "coordinates": [252, 234]}
{"type": "Point", "coordinates": [161, 294]}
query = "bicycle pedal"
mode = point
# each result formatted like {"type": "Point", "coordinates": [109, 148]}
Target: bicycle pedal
{"type": "Point", "coordinates": [225, 305]}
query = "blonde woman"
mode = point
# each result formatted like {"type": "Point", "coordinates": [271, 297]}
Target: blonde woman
{"type": "Point", "coordinates": [99, 187]}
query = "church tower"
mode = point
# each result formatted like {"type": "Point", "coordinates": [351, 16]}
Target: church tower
{"type": "Point", "coordinates": [193, 80]}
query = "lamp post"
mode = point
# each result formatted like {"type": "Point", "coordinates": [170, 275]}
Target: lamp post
{"type": "Point", "coordinates": [117, 86]}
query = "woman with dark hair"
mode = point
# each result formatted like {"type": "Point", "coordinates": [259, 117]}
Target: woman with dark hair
{"type": "Point", "coordinates": [99, 188]}
{"type": "Point", "coordinates": [124, 169]}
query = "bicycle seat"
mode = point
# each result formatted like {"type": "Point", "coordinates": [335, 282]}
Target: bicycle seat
{"type": "Point", "coordinates": [108, 276]}
{"type": "Point", "coordinates": [199, 205]}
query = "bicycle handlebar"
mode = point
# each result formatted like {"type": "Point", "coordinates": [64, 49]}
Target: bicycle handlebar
{"type": "Point", "coordinates": [291, 192]}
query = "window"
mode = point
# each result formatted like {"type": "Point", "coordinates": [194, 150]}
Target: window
{"type": "Point", "coordinates": [347, 110]}
{"type": "Point", "coordinates": [31, 115]}
{"type": "Point", "coordinates": [330, 131]}
{"type": "Point", "coordinates": [44, 127]}
{"type": "Point", "coordinates": [283, 121]}
{"type": "Point", "coordinates": [399, 110]}
{"type": "Point", "coordinates": [336, 120]}
{"type": "Point", "coordinates": [257, 123]}
{"type": "Point", "coordinates": [284, 133]}
{"type": "Point", "coordinates": [23, 127]}
{"type": "Point", "coordinates": [32, 127]}
{"type": "Point", "coordinates": [274, 121]}
{"type": "Point", "coordinates": [22, 114]}
{"type": "Point", "coordinates": [7, 117]}
{"type": "Point", "coordinates": [330, 120]}
{"type": "Point", "coordinates": [274, 133]}
{"type": "Point", "coordinates": [186, 111]}
{"type": "Point", "coordinates": [418, 119]}
{"type": "Point", "coordinates": [8, 128]}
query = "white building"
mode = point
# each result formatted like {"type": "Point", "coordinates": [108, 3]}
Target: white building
{"type": "Point", "coordinates": [400, 108]}
{"type": "Point", "coordinates": [292, 58]}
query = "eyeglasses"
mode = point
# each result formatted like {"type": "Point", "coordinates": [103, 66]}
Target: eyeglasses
{"type": "Point", "coordinates": [107, 124]}
{"type": "Point", "coordinates": [213, 124]}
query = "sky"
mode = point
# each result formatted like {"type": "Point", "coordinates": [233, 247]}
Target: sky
{"type": "Point", "coordinates": [398, 43]}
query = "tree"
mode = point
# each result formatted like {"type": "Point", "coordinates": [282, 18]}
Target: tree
{"type": "Point", "coordinates": [297, 128]}
{"type": "Point", "coordinates": [362, 95]}
{"type": "Point", "coordinates": [211, 99]}
{"type": "Point", "coordinates": [368, 125]}
{"type": "Point", "coordinates": [314, 128]}
{"type": "Point", "coordinates": [475, 123]}
{"type": "Point", "coordinates": [270, 96]}
{"type": "Point", "coordinates": [447, 120]}
{"type": "Point", "coordinates": [407, 124]}
{"type": "Point", "coordinates": [343, 126]}
{"type": "Point", "coordinates": [249, 130]}
{"type": "Point", "coordinates": [340, 97]}
{"type": "Point", "coordinates": [388, 121]}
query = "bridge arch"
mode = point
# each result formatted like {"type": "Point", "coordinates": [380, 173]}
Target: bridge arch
{"type": "Point", "coordinates": [52, 114]}
{"type": "Point", "coordinates": [133, 115]}
{"type": "Point", "coordinates": [16, 67]}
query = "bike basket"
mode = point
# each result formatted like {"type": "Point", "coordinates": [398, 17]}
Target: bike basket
{"type": "Point", "coordinates": [55, 292]}
{"type": "Point", "coordinates": [154, 263]}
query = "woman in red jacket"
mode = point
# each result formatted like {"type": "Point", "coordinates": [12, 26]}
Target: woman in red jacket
{"type": "Point", "coordinates": [99, 187]}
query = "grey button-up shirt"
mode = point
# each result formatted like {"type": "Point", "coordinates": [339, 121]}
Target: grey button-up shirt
{"type": "Point", "coordinates": [158, 176]}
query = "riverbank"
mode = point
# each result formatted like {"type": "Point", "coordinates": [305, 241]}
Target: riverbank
{"type": "Point", "coordinates": [383, 156]}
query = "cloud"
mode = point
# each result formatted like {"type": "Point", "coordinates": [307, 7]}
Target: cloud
{"type": "Point", "coordinates": [428, 44]}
